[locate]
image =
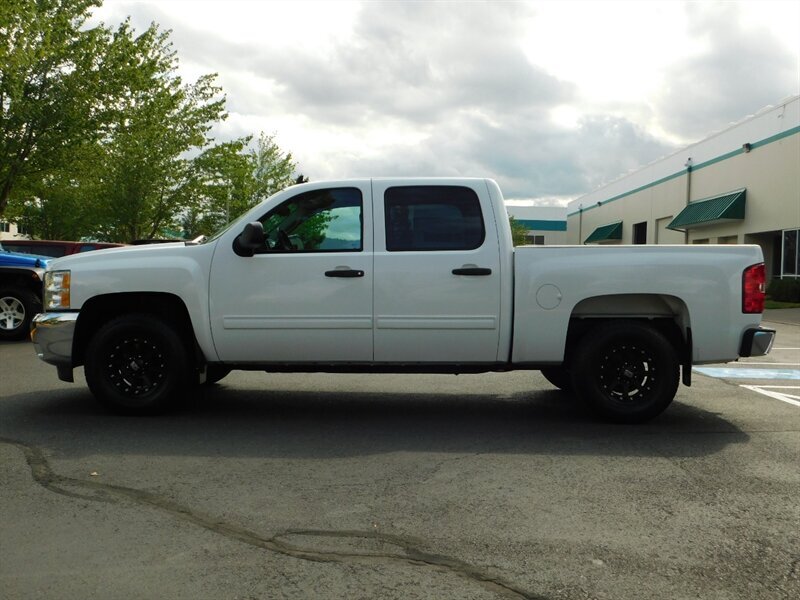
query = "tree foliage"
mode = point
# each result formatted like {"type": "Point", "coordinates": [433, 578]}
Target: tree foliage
{"type": "Point", "coordinates": [144, 175]}
{"type": "Point", "coordinates": [102, 138]}
{"type": "Point", "coordinates": [519, 233]}
{"type": "Point", "coordinates": [230, 178]}
{"type": "Point", "coordinates": [55, 85]}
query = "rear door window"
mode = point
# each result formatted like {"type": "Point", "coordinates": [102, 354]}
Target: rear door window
{"type": "Point", "coordinates": [432, 218]}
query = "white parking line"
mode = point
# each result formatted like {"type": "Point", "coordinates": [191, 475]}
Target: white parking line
{"type": "Point", "coordinates": [766, 390]}
{"type": "Point", "coordinates": [744, 373]}
{"type": "Point", "coordinates": [747, 362]}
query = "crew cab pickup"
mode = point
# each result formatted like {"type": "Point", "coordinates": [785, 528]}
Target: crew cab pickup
{"type": "Point", "coordinates": [399, 275]}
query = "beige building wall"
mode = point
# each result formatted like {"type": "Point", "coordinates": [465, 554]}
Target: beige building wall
{"type": "Point", "coordinates": [653, 205]}
{"type": "Point", "coordinates": [769, 171]}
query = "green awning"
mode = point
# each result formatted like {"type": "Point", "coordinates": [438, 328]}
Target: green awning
{"type": "Point", "coordinates": [711, 211]}
{"type": "Point", "coordinates": [606, 233]}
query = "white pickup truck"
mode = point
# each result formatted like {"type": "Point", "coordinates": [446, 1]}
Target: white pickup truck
{"type": "Point", "coordinates": [398, 275]}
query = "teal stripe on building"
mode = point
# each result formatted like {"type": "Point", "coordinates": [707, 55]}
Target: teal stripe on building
{"type": "Point", "coordinates": [682, 173]}
{"type": "Point", "coordinates": [542, 225]}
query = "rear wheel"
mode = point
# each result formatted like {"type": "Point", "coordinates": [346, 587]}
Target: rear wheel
{"type": "Point", "coordinates": [137, 364]}
{"type": "Point", "coordinates": [18, 306]}
{"type": "Point", "coordinates": [625, 371]}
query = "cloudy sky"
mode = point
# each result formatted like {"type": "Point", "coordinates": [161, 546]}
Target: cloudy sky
{"type": "Point", "coordinates": [551, 99]}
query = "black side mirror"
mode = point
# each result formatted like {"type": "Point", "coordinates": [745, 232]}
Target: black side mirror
{"type": "Point", "coordinates": [250, 240]}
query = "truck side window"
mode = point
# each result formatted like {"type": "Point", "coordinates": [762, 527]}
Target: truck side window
{"type": "Point", "coordinates": [318, 221]}
{"type": "Point", "coordinates": [430, 218]}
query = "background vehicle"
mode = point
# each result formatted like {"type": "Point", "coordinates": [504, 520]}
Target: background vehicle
{"type": "Point", "coordinates": [20, 292]}
{"type": "Point", "coordinates": [54, 248]}
{"type": "Point", "coordinates": [420, 275]}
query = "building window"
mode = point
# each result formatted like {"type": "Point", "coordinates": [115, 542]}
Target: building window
{"type": "Point", "coordinates": [703, 241]}
{"type": "Point", "coordinates": [22, 229]}
{"type": "Point", "coordinates": [536, 240]}
{"type": "Point", "coordinates": [791, 253]}
{"type": "Point", "coordinates": [640, 233]}
{"type": "Point", "coordinates": [4, 227]}
{"type": "Point", "coordinates": [728, 239]}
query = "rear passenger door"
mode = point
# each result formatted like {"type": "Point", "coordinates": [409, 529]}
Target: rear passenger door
{"type": "Point", "coordinates": [437, 273]}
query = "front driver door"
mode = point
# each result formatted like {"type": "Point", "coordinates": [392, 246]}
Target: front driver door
{"type": "Point", "coordinates": [307, 295]}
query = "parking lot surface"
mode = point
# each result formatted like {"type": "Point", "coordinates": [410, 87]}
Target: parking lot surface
{"type": "Point", "coordinates": [382, 486]}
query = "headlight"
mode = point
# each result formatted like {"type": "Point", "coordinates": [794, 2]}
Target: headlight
{"type": "Point", "coordinates": [56, 290]}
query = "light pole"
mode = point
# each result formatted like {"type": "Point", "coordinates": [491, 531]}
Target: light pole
{"type": "Point", "coordinates": [228, 204]}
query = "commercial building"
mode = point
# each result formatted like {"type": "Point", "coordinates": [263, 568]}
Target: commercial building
{"type": "Point", "coordinates": [546, 225]}
{"type": "Point", "coordinates": [738, 186]}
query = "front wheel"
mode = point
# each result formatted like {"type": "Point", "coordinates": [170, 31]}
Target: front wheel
{"type": "Point", "coordinates": [137, 364]}
{"type": "Point", "coordinates": [625, 371]}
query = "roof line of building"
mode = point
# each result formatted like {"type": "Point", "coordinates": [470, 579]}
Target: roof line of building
{"type": "Point", "coordinates": [682, 172]}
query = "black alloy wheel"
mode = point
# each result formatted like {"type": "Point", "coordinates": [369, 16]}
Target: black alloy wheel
{"type": "Point", "coordinates": [137, 364]}
{"type": "Point", "coordinates": [626, 371]}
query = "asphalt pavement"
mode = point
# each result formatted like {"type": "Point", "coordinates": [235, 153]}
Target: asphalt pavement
{"type": "Point", "coordinates": [384, 486]}
{"type": "Point", "coordinates": [785, 316]}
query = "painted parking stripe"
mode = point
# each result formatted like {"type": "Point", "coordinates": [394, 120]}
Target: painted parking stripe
{"type": "Point", "coordinates": [774, 364]}
{"type": "Point", "coordinates": [771, 391]}
{"type": "Point", "coordinates": [725, 373]}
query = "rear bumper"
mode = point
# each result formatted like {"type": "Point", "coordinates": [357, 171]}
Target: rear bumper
{"type": "Point", "coordinates": [52, 335]}
{"type": "Point", "coordinates": [757, 342]}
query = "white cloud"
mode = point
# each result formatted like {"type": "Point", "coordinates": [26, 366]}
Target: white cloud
{"type": "Point", "coordinates": [551, 99]}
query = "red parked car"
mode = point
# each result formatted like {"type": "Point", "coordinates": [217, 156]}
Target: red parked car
{"type": "Point", "coordinates": [54, 248]}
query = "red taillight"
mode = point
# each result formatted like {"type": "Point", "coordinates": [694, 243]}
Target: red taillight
{"type": "Point", "coordinates": [754, 289]}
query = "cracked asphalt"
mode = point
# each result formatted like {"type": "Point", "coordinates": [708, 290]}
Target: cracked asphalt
{"type": "Point", "coordinates": [381, 486]}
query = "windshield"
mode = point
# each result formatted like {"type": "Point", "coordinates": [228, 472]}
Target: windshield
{"type": "Point", "coordinates": [221, 231]}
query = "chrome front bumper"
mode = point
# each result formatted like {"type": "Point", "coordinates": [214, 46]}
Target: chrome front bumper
{"type": "Point", "coordinates": [52, 335]}
{"type": "Point", "coordinates": [757, 342]}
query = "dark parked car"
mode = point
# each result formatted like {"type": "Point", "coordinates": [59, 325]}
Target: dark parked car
{"type": "Point", "coordinates": [54, 248]}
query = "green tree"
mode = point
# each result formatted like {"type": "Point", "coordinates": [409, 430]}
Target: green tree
{"type": "Point", "coordinates": [59, 204]}
{"type": "Point", "coordinates": [519, 233]}
{"type": "Point", "coordinates": [145, 174]}
{"type": "Point", "coordinates": [56, 83]}
{"type": "Point", "coordinates": [273, 170]}
{"type": "Point", "coordinates": [229, 179]}
{"type": "Point", "coordinates": [101, 138]}
{"type": "Point", "coordinates": [218, 189]}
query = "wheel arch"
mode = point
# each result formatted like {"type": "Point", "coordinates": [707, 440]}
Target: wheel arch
{"type": "Point", "coordinates": [666, 313]}
{"type": "Point", "coordinates": [27, 278]}
{"type": "Point", "coordinates": [99, 310]}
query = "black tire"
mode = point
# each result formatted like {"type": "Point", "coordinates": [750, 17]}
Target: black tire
{"type": "Point", "coordinates": [18, 306]}
{"type": "Point", "coordinates": [137, 364]}
{"type": "Point", "coordinates": [559, 377]}
{"type": "Point", "coordinates": [215, 373]}
{"type": "Point", "coordinates": [625, 371]}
